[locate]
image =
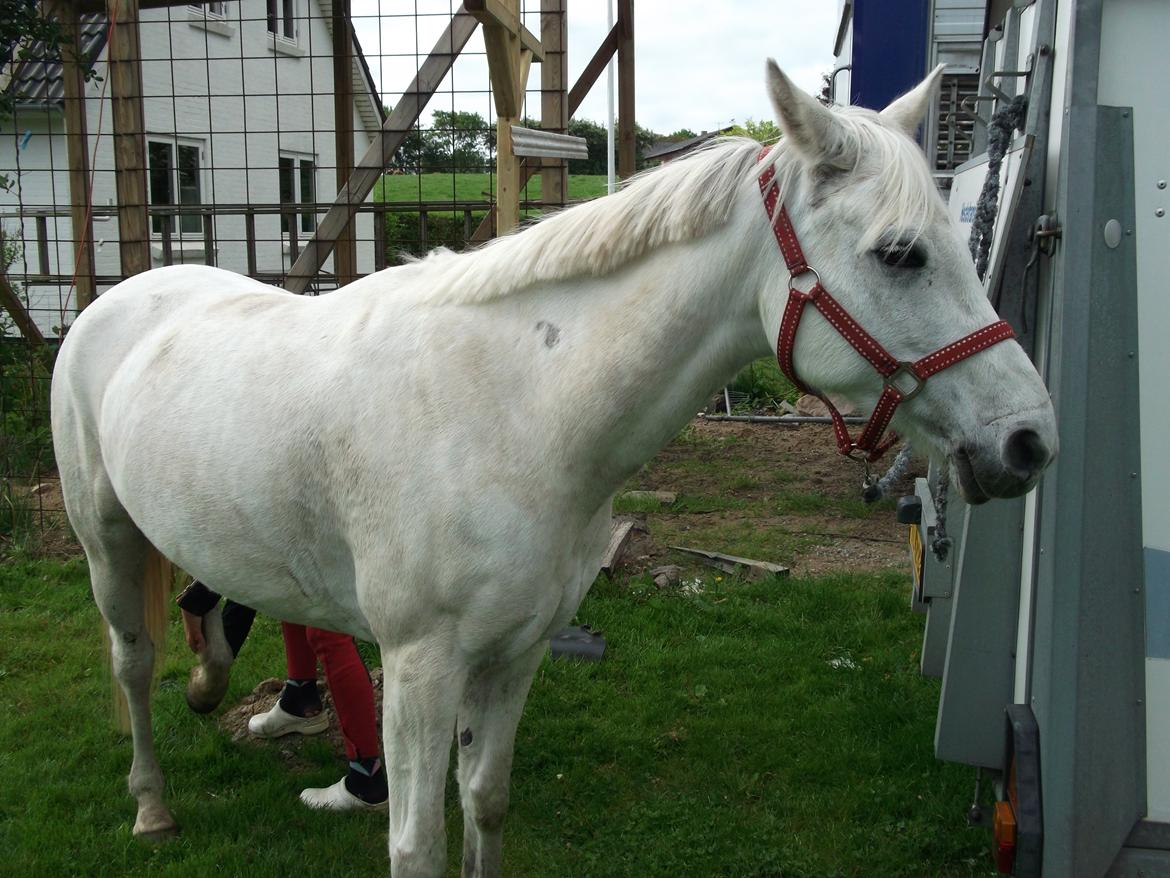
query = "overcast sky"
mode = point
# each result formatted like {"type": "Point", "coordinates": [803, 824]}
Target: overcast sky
{"type": "Point", "coordinates": [699, 65]}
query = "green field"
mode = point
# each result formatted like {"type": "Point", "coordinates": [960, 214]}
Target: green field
{"type": "Point", "coordinates": [472, 187]}
{"type": "Point", "coordinates": [724, 734]}
{"type": "Point", "coordinates": [450, 228]}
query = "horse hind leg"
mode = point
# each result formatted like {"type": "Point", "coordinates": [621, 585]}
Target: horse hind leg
{"type": "Point", "coordinates": [488, 718]}
{"type": "Point", "coordinates": [117, 563]}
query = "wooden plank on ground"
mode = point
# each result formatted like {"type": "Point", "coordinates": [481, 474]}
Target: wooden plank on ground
{"type": "Point", "coordinates": [376, 159]}
{"type": "Point", "coordinates": [619, 536]}
{"type": "Point", "coordinates": [746, 567]}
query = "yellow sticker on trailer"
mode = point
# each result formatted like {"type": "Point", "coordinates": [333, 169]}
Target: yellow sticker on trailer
{"type": "Point", "coordinates": [917, 556]}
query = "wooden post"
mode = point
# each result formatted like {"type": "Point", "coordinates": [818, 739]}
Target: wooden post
{"type": "Point", "coordinates": [554, 75]}
{"type": "Point", "coordinates": [77, 143]}
{"type": "Point", "coordinates": [627, 137]}
{"type": "Point", "coordinates": [507, 177]}
{"type": "Point", "coordinates": [345, 250]}
{"type": "Point", "coordinates": [125, 71]}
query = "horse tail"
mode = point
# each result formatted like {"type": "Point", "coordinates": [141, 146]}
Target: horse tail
{"type": "Point", "coordinates": [158, 585]}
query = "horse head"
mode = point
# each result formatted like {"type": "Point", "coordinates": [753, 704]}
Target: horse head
{"type": "Point", "coordinates": [871, 222]}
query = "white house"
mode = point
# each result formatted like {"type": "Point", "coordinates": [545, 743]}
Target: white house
{"type": "Point", "coordinates": [238, 110]}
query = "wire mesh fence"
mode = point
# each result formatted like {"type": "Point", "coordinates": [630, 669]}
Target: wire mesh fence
{"type": "Point", "coordinates": [238, 121]}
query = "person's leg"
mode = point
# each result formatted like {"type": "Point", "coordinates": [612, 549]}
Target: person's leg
{"type": "Point", "coordinates": [299, 707]}
{"type": "Point", "coordinates": [353, 700]}
{"type": "Point", "coordinates": [299, 696]}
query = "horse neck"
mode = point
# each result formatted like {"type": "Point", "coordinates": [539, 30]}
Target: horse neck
{"type": "Point", "coordinates": [663, 333]}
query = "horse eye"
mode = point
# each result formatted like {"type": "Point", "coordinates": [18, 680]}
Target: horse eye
{"type": "Point", "coordinates": [901, 255]}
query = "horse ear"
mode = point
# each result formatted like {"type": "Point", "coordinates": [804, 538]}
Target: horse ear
{"type": "Point", "coordinates": [808, 125]}
{"type": "Point", "coordinates": [908, 111]}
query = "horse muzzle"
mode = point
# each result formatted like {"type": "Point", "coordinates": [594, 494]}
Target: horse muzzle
{"type": "Point", "coordinates": [1009, 463]}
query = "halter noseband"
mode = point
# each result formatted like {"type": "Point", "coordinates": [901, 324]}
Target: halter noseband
{"type": "Point", "coordinates": [901, 379]}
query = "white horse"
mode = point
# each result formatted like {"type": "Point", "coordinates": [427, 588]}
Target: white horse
{"type": "Point", "coordinates": [427, 457]}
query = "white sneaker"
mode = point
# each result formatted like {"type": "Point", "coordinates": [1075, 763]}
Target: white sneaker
{"type": "Point", "coordinates": [278, 721]}
{"type": "Point", "coordinates": [338, 798]}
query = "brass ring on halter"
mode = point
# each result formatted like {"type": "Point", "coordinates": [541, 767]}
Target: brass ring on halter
{"type": "Point", "coordinates": [808, 269]}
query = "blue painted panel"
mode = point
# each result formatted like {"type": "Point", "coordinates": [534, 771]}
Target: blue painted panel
{"type": "Point", "coordinates": [889, 49]}
{"type": "Point", "coordinates": [1157, 604]}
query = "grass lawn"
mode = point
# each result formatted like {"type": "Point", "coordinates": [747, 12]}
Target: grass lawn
{"type": "Point", "coordinates": [768, 729]}
{"type": "Point", "coordinates": [471, 187]}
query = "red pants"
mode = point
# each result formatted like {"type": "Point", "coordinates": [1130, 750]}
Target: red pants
{"type": "Point", "coordinates": [346, 676]}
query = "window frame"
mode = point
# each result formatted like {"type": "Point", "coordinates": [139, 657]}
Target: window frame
{"type": "Point", "coordinates": [300, 163]}
{"type": "Point", "coordinates": [189, 226]}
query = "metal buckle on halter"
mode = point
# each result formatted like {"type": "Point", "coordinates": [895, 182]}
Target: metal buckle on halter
{"type": "Point", "coordinates": [858, 455]}
{"type": "Point", "coordinates": [808, 269]}
{"type": "Point", "coordinates": [905, 370]}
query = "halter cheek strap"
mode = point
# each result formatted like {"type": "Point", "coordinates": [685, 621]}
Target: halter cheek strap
{"type": "Point", "coordinates": [901, 379]}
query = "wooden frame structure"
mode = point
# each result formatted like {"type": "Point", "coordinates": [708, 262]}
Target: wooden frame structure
{"type": "Point", "coordinates": [511, 48]}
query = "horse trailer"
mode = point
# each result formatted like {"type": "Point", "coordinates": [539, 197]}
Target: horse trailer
{"type": "Point", "coordinates": [1048, 617]}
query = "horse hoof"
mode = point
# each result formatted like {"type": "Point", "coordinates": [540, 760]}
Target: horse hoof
{"type": "Point", "coordinates": [156, 827]}
{"type": "Point", "coordinates": [201, 696]}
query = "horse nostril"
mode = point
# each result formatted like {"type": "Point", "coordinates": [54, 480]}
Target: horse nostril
{"type": "Point", "coordinates": [1025, 454]}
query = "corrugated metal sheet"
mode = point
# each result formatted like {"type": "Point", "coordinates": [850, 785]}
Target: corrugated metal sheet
{"type": "Point", "coordinates": [547, 144]}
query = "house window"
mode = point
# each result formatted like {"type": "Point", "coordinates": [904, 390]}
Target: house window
{"type": "Point", "coordinates": [214, 9]}
{"type": "Point", "coordinates": [298, 186]}
{"type": "Point", "coordinates": [281, 20]}
{"type": "Point", "coordinates": [174, 181]}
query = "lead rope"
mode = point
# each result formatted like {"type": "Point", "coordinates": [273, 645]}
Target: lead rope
{"type": "Point", "coordinates": [941, 544]}
{"type": "Point", "coordinates": [999, 137]}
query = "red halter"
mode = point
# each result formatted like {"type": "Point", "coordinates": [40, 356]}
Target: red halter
{"type": "Point", "coordinates": [896, 374]}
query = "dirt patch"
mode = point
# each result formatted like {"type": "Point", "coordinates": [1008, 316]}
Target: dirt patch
{"type": "Point", "coordinates": [234, 720]}
{"type": "Point", "coordinates": [787, 480]}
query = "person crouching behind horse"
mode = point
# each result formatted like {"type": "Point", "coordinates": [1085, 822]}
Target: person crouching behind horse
{"type": "Point", "coordinates": [299, 707]}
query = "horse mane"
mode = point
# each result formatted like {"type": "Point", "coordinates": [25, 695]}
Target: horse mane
{"type": "Point", "coordinates": [679, 201]}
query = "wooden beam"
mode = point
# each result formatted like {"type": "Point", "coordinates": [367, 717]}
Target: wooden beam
{"type": "Point", "coordinates": [497, 12]}
{"type": "Point", "coordinates": [593, 69]}
{"type": "Point", "coordinates": [376, 159]}
{"type": "Point", "coordinates": [554, 173]}
{"type": "Point", "coordinates": [345, 250]}
{"type": "Point", "coordinates": [627, 131]}
{"type": "Point", "coordinates": [77, 147]}
{"type": "Point", "coordinates": [507, 178]}
{"type": "Point", "coordinates": [11, 303]}
{"type": "Point", "coordinates": [125, 71]}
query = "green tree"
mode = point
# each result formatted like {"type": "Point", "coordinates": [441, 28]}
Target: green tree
{"type": "Point", "coordinates": [456, 141]}
{"type": "Point", "coordinates": [765, 131]}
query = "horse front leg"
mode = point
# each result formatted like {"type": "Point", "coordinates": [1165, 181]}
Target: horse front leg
{"type": "Point", "coordinates": [422, 684]}
{"type": "Point", "coordinates": [488, 718]}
